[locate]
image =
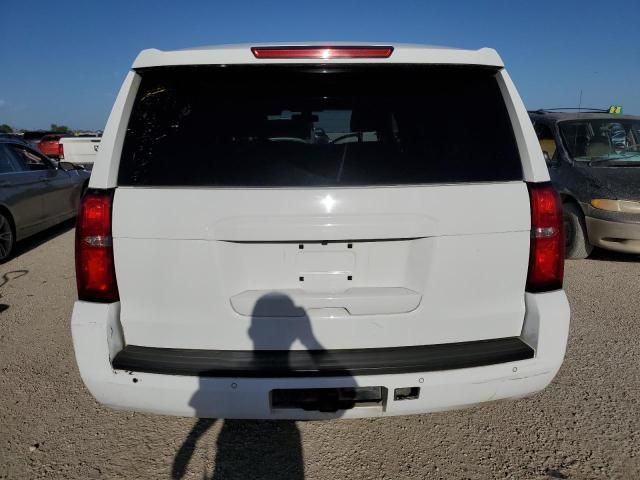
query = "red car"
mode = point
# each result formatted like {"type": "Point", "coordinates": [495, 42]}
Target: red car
{"type": "Point", "coordinates": [50, 146]}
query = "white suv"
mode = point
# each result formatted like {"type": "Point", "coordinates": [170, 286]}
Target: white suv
{"type": "Point", "coordinates": [313, 231]}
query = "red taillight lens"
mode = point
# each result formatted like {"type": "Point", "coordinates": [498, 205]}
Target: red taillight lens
{"type": "Point", "coordinates": [95, 272]}
{"type": "Point", "coordinates": [322, 52]}
{"type": "Point", "coordinates": [546, 258]}
{"type": "Point", "coordinates": [60, 151]}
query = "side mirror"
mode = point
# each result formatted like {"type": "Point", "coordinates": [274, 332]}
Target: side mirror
{"type": "Point", "coordinates": [66, 166]}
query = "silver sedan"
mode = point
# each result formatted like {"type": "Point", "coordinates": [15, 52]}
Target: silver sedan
{"type": "Point", "coordinates": [35, 192]}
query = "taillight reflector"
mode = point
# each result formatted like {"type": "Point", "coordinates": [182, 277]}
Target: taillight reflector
{"type": "Point", "coordinates": [60, 150]}
{"type": "Point", "coordinates": [95, 270]}
{"type": "Point", "coordinates": [327, 52]}
{"type": "Point", "coordinates": [546, 257]}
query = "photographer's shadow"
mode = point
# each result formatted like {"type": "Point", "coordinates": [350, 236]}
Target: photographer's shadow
{"type": "Point", "coordinates": [256, 449]}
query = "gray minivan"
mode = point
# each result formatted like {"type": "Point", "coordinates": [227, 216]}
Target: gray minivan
{"type": "Point", "coordinates": [594, 162]}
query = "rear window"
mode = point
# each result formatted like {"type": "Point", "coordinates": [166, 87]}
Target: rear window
{"type": "Point", "coordinates": [296, 126]}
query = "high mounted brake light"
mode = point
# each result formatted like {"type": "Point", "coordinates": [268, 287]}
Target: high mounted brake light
{"type": "Point", "coordinates": [95, 271]}
{"type": "Point", "coordinates": [546, 257]}
{"type": "Point", "coordinates": [326, 52]}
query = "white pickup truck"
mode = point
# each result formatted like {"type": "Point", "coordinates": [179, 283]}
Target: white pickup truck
{"type": "Point", "coordinates": [80, 150]}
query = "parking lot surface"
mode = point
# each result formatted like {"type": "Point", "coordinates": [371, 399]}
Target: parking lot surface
{"type": "Point", "coordinates": [585, 425]}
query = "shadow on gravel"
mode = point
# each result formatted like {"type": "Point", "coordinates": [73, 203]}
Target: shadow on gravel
{"type": "Point", "coordinates": [554, 473]}
{"type": "Point", "coordinates": [609, 256]}
{"type": "Point", "coordinates": [38, 239]}
{"type": "Point", "coordinates": [187, 448]}
{"type": "Point", "coordinates": [247, 449]}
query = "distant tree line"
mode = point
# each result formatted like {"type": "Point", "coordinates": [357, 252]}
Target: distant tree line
{"type": "Point", "coordinates": [4, 128]}
{"type": "Point", "coordinates": [59, 128]}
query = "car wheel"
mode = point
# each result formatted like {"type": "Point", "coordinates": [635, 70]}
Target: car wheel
{"type": "Point", "coordinates": [7, 238]}
{"type": "Point", "coordinates": [575, 232]}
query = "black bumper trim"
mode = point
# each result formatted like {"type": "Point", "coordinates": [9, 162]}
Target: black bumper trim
{"type": "Point", "coordinates": [324, 363]}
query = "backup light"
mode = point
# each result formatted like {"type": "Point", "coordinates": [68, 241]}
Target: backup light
{"type": "Point", "coordinates": [326, 52]}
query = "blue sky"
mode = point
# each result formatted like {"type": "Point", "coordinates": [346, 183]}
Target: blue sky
{"type": "Point", "coordinates": [63, 62]}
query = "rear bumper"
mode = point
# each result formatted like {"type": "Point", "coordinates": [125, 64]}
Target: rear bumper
{"type": "Point", "coordinates": [320, 363]}
{"type": "Point", "coordinates": [97, 338]}
{"type": "Point", "coordinates": [618, 236]}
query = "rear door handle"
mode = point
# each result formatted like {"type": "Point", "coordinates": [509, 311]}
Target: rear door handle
{"type": "Point", "coordinates": [357, 301]}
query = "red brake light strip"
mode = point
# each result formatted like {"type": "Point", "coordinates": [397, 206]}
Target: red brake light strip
{"type": "Point", "coordinates": [327, 52]}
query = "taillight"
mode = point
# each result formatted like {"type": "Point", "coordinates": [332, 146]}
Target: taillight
{"type": "Point", "coordinates": [95, 272]}
{"type": "Point", "coordinates": [546, 257]}
{"type": "Point", "coordinates": [60, 151]}
{"type": "Point", "coordinates": [325, 52]}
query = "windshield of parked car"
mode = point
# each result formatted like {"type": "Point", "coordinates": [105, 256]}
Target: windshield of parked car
{"type": "Point", "coordinates": [602, 141]}
{"type": "Point", "coordinates": [294, 126]}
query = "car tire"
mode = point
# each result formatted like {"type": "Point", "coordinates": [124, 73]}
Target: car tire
{"type": "Point", "coordinates": [577, 244]}
{"type": "Point", "coordinates": [7, 238]}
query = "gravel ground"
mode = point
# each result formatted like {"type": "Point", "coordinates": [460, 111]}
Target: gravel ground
{"type": "Point", "coordinates": [585, 425]}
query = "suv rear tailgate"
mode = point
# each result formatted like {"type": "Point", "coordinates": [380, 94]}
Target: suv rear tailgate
{"type": "Point", "coordinates": [183, 270]}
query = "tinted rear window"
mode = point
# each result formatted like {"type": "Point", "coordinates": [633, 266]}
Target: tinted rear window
{"type": "Point", "coordinates": [295, 126]}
